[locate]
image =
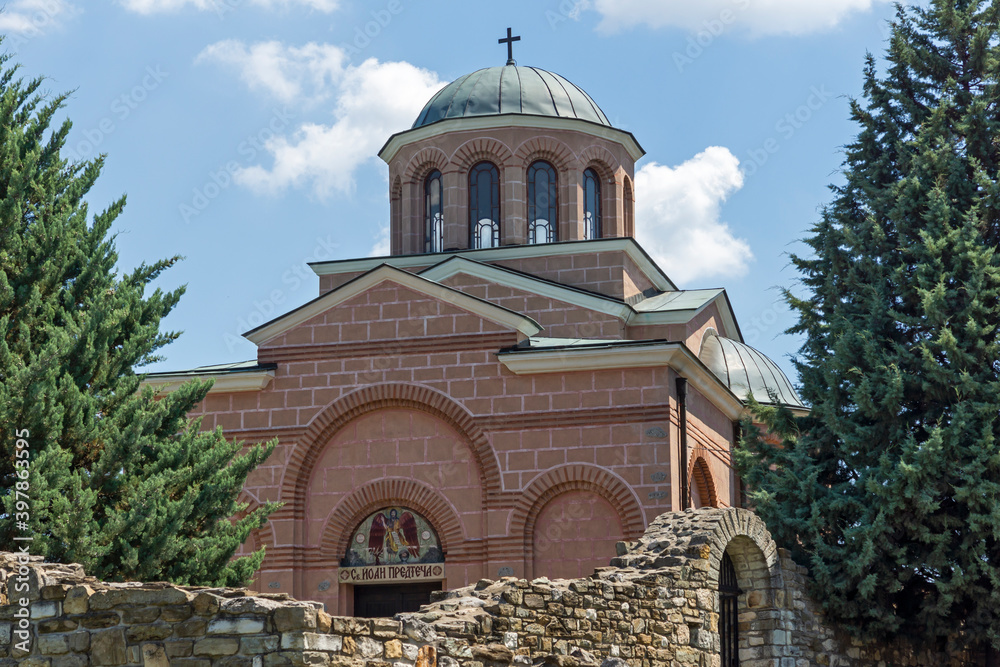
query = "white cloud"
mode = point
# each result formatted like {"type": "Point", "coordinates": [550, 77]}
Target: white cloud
{"type": "Point", "coordinates": [222, 6]}
{"type": "Point", "coordinates": [677, 216]}
{"type": "Point", "coordinates": [28, 18]}
{"type": "Point", "coordinates": [284, 72]}
{"type": "Point", "coordinates": [383, 245]}
{"type": "Point", "coordinates": [373, 100]}
{"type": "Point", "coordinates": [761, 17]}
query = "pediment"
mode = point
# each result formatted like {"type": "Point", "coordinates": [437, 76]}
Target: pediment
{"type": "Point", "coordinates": [397, 295]}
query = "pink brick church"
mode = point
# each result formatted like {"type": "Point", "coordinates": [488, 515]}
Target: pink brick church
{"type": "Point", "coordinates": [516, 388]}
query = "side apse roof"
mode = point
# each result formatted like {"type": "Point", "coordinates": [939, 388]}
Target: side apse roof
{"type": "Point", "coordinates": [511, 90]}
{"type": "Point", "coordinates": [747, 371]}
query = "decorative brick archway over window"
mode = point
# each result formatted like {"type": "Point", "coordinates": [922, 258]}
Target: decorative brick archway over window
{"type": "Point", "coordinates": [377, 397]}
{"type": "Point", "coordinates": [384, 492]}
{"type": "Point", "coordinates": [481, 149]}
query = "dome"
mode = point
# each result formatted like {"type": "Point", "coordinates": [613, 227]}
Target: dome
{"type": "Point", "coordinates": [511, 90]}
{"type": "Point", "coordinates": [746, 370]}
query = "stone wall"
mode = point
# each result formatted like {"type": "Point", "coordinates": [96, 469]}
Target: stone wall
{"type": "Point", "coordinates": [655, 606]}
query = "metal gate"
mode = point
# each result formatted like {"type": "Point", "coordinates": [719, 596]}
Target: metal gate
{"type": "Point", "coordinates": [729, 592]}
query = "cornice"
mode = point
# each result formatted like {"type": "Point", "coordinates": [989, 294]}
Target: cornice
{"type": "Point", "coordinates": [503, 121]}
{"type": "Point", "coordinates": [673, 355]}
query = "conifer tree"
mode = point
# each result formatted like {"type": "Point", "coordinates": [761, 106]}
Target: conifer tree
{"type": "Point", "coordinates": [890, 490]}
{"type": "Point", "coordinates": [117, 479]}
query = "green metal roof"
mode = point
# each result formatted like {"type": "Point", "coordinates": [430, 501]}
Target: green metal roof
{"type": "Point", "coordinates": [215, 369]}
{"type": "Point", "coordinates": [693, 299]}
{"type": "Point", "coordinates": [748, 371]}
{"type": "Point", "coordinates": [511, 90]}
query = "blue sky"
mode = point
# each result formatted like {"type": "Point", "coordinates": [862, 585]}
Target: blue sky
{"type": "Point", "coordinates": [244, 132]}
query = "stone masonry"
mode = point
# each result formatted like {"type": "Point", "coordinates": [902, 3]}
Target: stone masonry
{"type": "Point", "coordinates": [655, 606]}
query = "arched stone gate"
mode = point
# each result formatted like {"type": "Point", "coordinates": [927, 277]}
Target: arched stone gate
{"type": "Point", "coordinates": [690, 546]}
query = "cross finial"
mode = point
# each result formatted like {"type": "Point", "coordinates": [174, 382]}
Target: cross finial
{"type": "Point", "coordinates": [510, 46]}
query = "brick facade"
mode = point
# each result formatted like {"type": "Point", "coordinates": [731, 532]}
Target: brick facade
{"type": "Point", "coordinates": [522, 399]}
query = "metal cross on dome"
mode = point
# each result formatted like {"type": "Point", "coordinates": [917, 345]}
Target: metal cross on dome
{"type": "Point", "coordinates": [510, 46]}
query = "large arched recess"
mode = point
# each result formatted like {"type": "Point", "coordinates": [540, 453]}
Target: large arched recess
{"type": "Point", "coordinates": [578, 477]}
{"type": "Point", "coordinates": [369, 399]}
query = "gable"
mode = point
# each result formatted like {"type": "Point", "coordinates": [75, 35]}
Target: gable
{"type": "Point", "coordinates": [557, 317]}
{"type": "Point", "coordinates": [372, 306]}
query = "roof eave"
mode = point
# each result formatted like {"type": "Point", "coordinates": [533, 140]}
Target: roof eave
{"type": "Point", "coordinates": [626, 244]}
{"type": "Point", "coordinates": [638, 354]}
{"type": "Point", "coordinates": [383, 272]}
{"type": "Point", "coordinates": [492, 121]}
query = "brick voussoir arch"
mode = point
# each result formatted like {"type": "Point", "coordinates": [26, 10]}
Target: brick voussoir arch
{"type": "Point", "coordinates": [545, 148]}
{"type": "Point", "coordinates": [602, 161]}
{"type": "Point", "coordinates": [375, 495]}
{"type": "Point", "coordinates": [424, 162]}
{"type": "Point", "coordinates": [479, 150]}
{"type": "Point", "coordinates": [702, 476]}
{"type": "Point", "coordinates": [579, 477]}
{"type": "Point", "coordinates": [338, 414]}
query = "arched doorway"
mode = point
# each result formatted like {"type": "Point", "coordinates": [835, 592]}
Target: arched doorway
{"type": "Point", "coordinates": [729, 621]}
{"type": "Point", "coordinates": [393, 564]}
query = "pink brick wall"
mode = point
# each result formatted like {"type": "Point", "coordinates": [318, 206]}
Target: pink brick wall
{"type": "Point", "coordinates": [575, 533]}
{"type": "Point", "coordinates": [558, 318]}
{"type": "Point", "coordinates": [496, 455]}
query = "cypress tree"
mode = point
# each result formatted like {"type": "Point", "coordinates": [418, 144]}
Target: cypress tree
{"type": "Point", "coordinates": [115, 478]}
{"type": "Point", "coordinates": [889, 491]}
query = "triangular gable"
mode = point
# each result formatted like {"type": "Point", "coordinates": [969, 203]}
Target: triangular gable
{"type": "Point", "coordinates": [520, 281]}
{"type": "Point", "coordinates": [672, 307]}
{"type": "Point", "coordinates": [385, 273]}
{"type": "Point", "coordinates": [682, 306]}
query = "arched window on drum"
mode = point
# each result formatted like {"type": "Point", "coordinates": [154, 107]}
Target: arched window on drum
{"type": "Point", "coordinates": [433, 213]}
{"type": "Point", "coordinates": [591, 205]}
{"type": "Point", "coordinates": [484, 206]}
{"type": "Point", "coordinates": [543, 203]}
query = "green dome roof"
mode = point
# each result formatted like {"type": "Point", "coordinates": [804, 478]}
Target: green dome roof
{"type": "Point", "coordinates": [747, 371]}
{"type": "Point", "coordinates": [511, 90]}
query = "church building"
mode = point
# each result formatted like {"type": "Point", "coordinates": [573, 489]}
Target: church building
{"type": "Point", "coordinates": [514, 389]}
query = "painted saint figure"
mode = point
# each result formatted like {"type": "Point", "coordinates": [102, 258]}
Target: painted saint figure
{"type": "Point", "coordinates": [395, 534]}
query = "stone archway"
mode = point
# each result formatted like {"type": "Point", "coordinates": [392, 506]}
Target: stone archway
{"type": "Point", "coordinates": [707, 536]}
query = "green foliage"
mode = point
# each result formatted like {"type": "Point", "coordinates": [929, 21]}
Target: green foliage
{"type": "Point", "coordinates": [890, 490]}
{"type": "Point", "coordinates": [120, 481]}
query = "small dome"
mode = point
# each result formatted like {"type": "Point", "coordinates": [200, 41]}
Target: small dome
{"type": "Point", "coordinates": [746, 370]}
{"type": "Point", "coordinates": [511, 90]}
